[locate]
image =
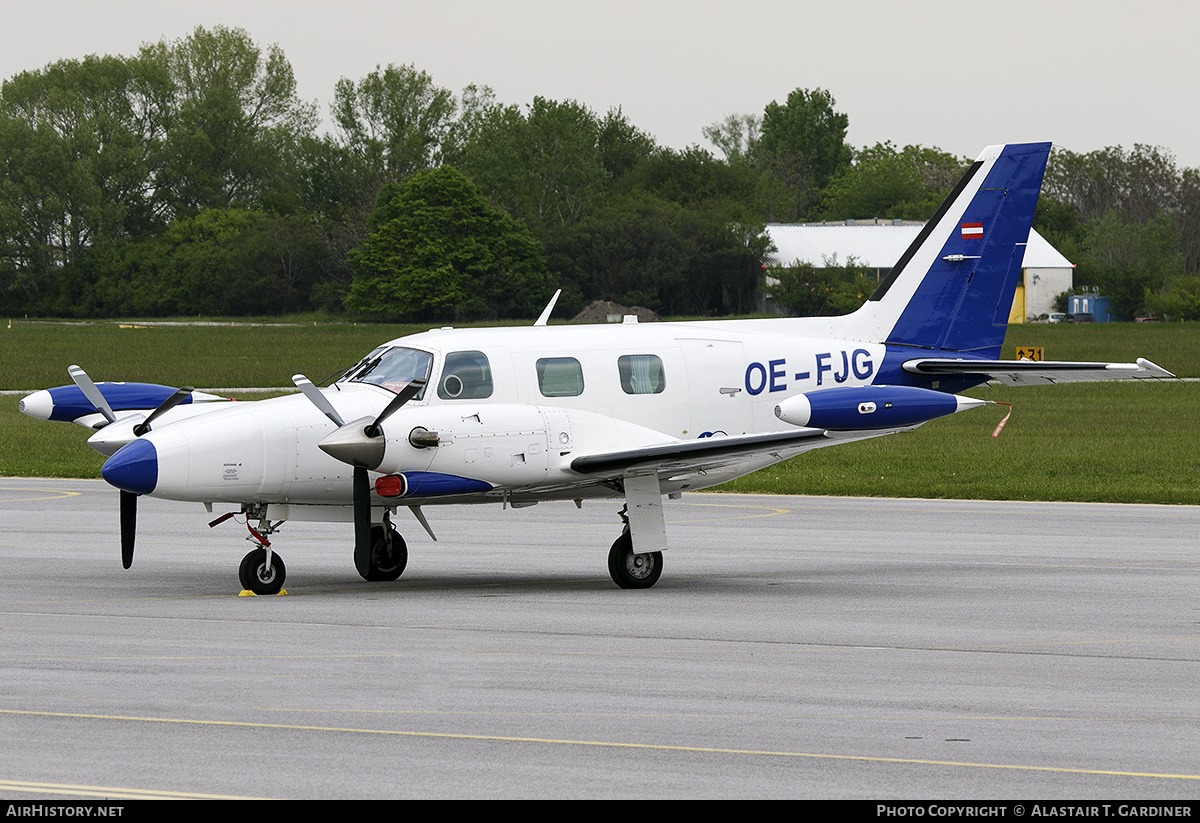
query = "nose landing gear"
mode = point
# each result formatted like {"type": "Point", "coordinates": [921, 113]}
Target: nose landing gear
{"type": "Point", "coordinates": [262, 570]}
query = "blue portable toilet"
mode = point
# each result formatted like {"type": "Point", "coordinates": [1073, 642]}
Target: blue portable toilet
{"type": "Point", "coordinates": [1092, 304]}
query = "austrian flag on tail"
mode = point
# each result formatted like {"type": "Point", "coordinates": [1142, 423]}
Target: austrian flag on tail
{"type": "Point", "coordinates": [972, 231]}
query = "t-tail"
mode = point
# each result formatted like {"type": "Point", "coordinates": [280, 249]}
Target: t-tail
{"type": "Point", "coordinates": [953, 288]}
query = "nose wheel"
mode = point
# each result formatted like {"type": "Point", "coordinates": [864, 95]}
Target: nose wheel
{"type": "Point", "coordinates": [256, 576]}
{"type": "Point", "coordinates": [633, 571]}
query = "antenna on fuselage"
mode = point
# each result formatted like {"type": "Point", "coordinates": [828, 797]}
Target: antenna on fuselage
{"type": "Point", "coordinates": [545, 315]}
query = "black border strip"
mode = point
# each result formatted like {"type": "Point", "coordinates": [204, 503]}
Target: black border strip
{"type": "Point", "coordinates": [925, 232]}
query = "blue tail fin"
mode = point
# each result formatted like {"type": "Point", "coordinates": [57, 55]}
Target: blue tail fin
{"type": "Point", "coordinates": [953, 288]}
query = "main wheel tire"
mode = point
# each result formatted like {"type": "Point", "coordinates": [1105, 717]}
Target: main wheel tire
{"type": "Point", "coordinates": [254, 576]}
{"type": "Point", "coordinates": [386, 562]}
{"type": "Point", "coordinates": [633, 571]}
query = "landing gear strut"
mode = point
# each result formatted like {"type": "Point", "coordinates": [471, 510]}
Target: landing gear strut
{"type": "Point", "coordinates": [633, 571]}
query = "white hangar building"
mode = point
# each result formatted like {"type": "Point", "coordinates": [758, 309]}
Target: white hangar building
{"type": "Point", "coordinates": [878, 244]}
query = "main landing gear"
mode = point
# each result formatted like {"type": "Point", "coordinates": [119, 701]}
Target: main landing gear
{"type": "Point", "coordinates": [635, 560]}
{"type": "Point", "coordinates": [633, 571]}
{"type": "Point", "coordinates": [389, 554]}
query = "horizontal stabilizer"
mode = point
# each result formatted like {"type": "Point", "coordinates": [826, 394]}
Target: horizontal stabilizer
{"type": "Point", "coordinates": [1038, 373]}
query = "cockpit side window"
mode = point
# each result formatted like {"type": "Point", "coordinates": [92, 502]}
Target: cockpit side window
{"type": "Point", "coordinates": [466, 374]}
{"type": "Point", "coordinates": [641, 373]}
{"type": "Point", "coordinates": [393, 368]}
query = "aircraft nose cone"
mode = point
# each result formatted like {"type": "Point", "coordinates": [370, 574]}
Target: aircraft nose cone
{"type": "Point", "coordinates": [39, 404]}
{"type": "Point", "coordinates": [134, 468]}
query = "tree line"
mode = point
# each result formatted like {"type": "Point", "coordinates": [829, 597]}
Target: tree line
{"type": "Point", "coordinates": [1130, 221]}
{"type": "Point", "coordinates": [190, 179]}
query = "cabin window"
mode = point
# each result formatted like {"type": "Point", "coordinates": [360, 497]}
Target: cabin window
{"type": "Point", "coordinates": [466, 374]}
{"type": "Point", "coordinates": [559, 377]}
{"type": "Point", "coordinates": [641, 373]}
{"type": "Point", "coordinates": [393, 368]}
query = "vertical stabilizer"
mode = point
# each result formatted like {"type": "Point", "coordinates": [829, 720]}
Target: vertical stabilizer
{"type": "Point", "coordinates": [953, 288]}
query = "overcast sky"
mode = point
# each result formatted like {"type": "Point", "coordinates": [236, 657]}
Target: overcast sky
{"type": "Point", "coordinates": [956, 75]}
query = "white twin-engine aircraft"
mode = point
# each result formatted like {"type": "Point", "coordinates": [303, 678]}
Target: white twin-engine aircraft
{"type": "Point", "coordinates": [515, 416]}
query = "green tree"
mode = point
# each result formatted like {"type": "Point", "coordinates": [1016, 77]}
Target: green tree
{"type": "Point", "coordinates": [546, 166]}
{"type": "Point", "coordinates": [884, 181]}
{"type": "Point", "coordinates": [1179, 300]}
{"type": "Point", "coordinates": [1187, 219]}
{"type": "Point", "coordinates": [736, 136]}
{"type": "Point", "coordinates": [1129, 219]}
{"type": "Point", "coordinates": [803, 143]}
{"type": "Point", "coordinates": [437, 250]}
{"type": "Point", "coordinates": [395, 119]}
{"type": "Point", "coordinates": [338, 190]}
{"type": "Point", "coordinates": [693, 177]}
{"type": "Point", "coordinates": [232, 120]}
{"type": "Point", "coordinates": [79, 147]}
{"type": "Point", "coordinates": [1137, 184]}
{"type": "Point", "coordinates": [622, 145]}
{"type": "Point", "coordinates": [676, 233]}
{"type": "Point", "coordinates": [1130, 261]}
{"type": "Point", "coordinates": [219, 262]}
{"type": "Point", "coordinates": [1058, 222]}
{"type": "Point", "coordinates": [808, 291]}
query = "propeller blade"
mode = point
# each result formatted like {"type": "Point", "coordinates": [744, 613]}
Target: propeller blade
{"type": "Point", "coordinates": [319, 400]}
{"type": "Point", "coordinates": [91, 392]}
{"type": "Point", "coordinates": [128, 526]}
{"type": "Point", "coordinates": [163, 407]}
{"type": "Point", "coordinates": [362, 521]}
{"type": "Point", "coordinates": [403, 396]}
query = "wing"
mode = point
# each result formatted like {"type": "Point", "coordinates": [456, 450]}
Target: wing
{"type": "Point", "coordinates": [720, 458]}
{"type": "Point", "coordinates": [1037, 373]}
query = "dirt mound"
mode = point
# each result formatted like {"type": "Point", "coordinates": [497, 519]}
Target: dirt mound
{"type": "Point", "coordinates": [600, 311]}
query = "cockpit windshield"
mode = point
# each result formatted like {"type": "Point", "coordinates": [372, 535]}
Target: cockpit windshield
{"type": "Point", "coordinates": [393, 368]}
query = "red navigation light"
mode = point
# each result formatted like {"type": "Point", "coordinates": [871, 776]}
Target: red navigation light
{"type": "Point", "coordinates": [391, 485]}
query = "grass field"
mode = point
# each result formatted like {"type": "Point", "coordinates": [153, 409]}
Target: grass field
{"type": "Point", "coordinates": [1112, 442]}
